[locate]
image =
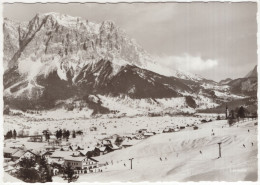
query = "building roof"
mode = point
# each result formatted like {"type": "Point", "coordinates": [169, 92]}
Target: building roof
{"type": "Point", "coordinates": [91, 158]}
{"type": "Point", "coordinates": [70, 158]}
{"type": "Point", "coordinates": [10, 150]}
{"type": "Point", "coordinates": [47, 153]}
{"type": "Point", "coordinates": [11, 163]}
{"type": "Point", "coordinates": [19, 153]}
{"type": "Point", "coordinates": [62, 154]}
{"type": "Point", "coordinates": [35, 152]}
{"type": "Point", "coordinates": [9, 168]}
{"type": "Point", "coordinates": [78, 159]}
{"type": "Point", "coordinates": [85, 151]}
{"type": "Point", "coordinates": [130, 142]}
{"type": "Point", "coordinates": [148, 134]}
{"type": "Point", "coordinates": [113, 147]}
{"type": "Point", "coordinates": [102, 149]}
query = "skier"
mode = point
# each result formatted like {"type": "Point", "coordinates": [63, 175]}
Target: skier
{"type": "Point", "coordinates": [252, 144]}
{"type": "Point", "coordinates": [244, 145]}
{"type": "Point", "coordinates": [200, 152]}
{"type": "Point", "coordinates": [160, 159]}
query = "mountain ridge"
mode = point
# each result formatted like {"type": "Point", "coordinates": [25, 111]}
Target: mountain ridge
{"type": "Point", "coordinates": [55, 57]}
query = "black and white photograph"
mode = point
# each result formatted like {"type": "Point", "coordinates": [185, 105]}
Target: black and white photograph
{"type": "Point", "coordinates": [129, 92]}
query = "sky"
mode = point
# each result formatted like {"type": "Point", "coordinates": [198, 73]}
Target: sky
{"type": "Point", "coordinates": [214, 40]}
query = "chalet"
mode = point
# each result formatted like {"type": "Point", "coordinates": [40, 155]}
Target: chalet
{"type": "Point", "coordinates": [47, 154]}
{"type": "Point", "coordinates": [35, 138]}
{"type": "Point", "coordinates": [6, 160]}
{"type": "Point", "coordinates": [159, 131]}
{"type": "Point", "coordinates": [168, 129]}
{"type": "Point", "coordinates": [195, 128]}
{"type": "Point", "coordinates": [141, 131]}
{"type": "Point", "coordinates": [82, 164]}
{"type": "Point", "coordinates": [66, 148]}
{"type": "Point", "coordinates": [99, 151]}
{"type": "Point", "coordinates": [112, 148]}
{"type": "Point", "coordinates": [8, 152]}
{"type": "Point", "coordinates": [79, 147]}
{"type": "Point", "coordinates": [128, 136]}
{"type": "Point", "coordinates": [60, 155]}
{"type": "Point", "coordinates": [182, 127]}
{"type": "Point", "coordinates": [89, 152]}
{"type": "Point", "coordinates": [31, 154]}
{"type": "Point", "coordinates": [148, 134]}
{"type": "Point", "coordinates": [9, 167]}
{"type": "Point", "coordinates": [93, 129]}
{"type": "Point", "coordinates": [25, 154]}
{"type": "Point", "coordinates": [17, 155]}
{"type": "Point", "coordinates": [108, 142]}
{"type": "Point", "coordinates": [105, 149]}
{"type": "Point", "coordinates": [138, 136]}
{"type": "Point", "coordinates": [128, 143]}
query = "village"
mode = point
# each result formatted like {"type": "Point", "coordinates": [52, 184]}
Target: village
{"type": "Point", "coordinates": [83, 146]}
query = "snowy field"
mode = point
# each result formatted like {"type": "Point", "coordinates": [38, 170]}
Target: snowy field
{"type": "Point", "coordinates": [181, 159]}
{"type": "Point", "coordinates": [104, 127]}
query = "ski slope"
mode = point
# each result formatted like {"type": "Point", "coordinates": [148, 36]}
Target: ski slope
{"type": "Point", "coordinates": [181, 157]}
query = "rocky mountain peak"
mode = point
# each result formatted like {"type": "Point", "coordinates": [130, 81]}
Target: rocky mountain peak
{"type": "Point", "coordinates": [252, 73]}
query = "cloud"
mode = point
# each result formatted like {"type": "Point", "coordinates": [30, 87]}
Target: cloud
{"type": "Point", "coordinates": [188, 63]}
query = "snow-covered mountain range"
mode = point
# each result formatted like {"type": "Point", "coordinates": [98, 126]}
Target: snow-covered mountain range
{"type": "Point", "coordinates": [59, 58]}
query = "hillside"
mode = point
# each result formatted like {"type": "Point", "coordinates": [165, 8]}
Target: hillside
{"type": "Point", "coordinates": [181, 158]}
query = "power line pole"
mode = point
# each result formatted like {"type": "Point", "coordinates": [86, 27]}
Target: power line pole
{"type": "Point", "coordinates": [131, 162]}
{"type": "Point", "coordinates": [219, 148]}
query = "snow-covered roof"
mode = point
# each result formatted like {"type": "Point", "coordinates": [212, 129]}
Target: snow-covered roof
{"type": "Point", "coordinates": [10, 150]}
{"type": "Point", "coordinates": [114, 147]}
{"type": "Point", "coordinates": [85, 151]}
{"type": "Point", "coordinates": [79, 159]}
{"type": "Point", "coordinates": [70, 158]}
{"type": "Point", "coordinates": [34, 151]}
{"type": "Point", "coordinates": [102, 149]}
{"type": "Point", "coordinates": [130, 142]}
{"type": "Point", "coordinates": [148, 134]}
{"type": "Point", "coordinates": [19, 153]}
{"type": "Point", "coordinates": [61, 154]}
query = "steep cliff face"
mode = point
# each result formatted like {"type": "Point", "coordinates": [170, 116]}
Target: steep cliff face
{"type": "Point", "coordinates": [57, 56]}
{"type": "Point", "coordinates": [247, 85]}
{"type": "Point", "coordinates": [253, 73]}
{"type": "Point", "coordinates": [72, 41]}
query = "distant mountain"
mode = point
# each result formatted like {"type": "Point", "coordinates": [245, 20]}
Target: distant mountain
{"type": "Point", "coordinates": [225, 81]}
{"type": "Point", "coordinates": [58, 58]}
{"type": "Point", "coordinates": [246, 85]}
{"type": "Point", "coordinates": [253, 73]}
